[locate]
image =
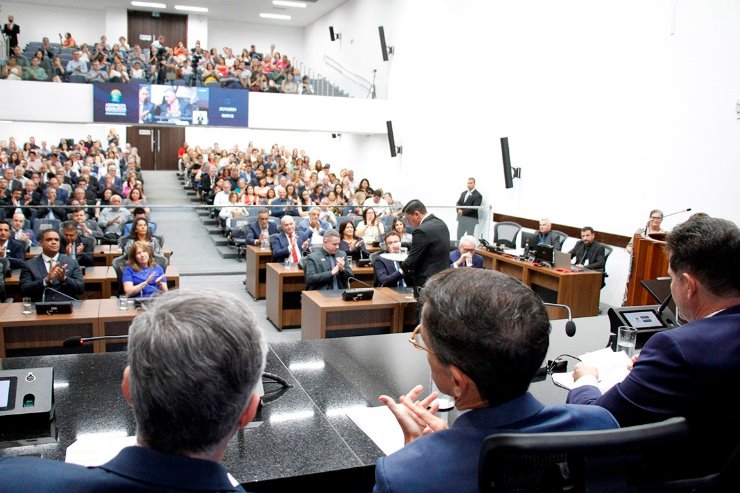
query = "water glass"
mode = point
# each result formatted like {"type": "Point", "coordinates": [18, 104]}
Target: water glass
{"type": "Point", "coordinates": [123, 302]}
{"type": "Point", "coordinates": [287, 263]}
{"type": "Point", "coordinates": [626, 339]}
{"type": "Point", "coordinates": [27, 306]}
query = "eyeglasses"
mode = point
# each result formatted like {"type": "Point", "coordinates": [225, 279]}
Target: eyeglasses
{"type": "Point", "coordinates": [415, 339]}
{"type": "Point", "coordinates": [656, 218]}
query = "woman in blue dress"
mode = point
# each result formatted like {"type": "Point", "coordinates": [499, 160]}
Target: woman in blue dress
{"type": "Point", "coordinates": [142, 277]}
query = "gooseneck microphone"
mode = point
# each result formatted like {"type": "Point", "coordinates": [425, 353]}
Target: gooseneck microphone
{"type": "Point", "coordinates": [77, 341]}
{"type": "Point", "coordinates": [677, 212]}
{"type": "Point", "coordinates": [570, 325]}
{"type": "Point", "coordinates": [350, 278]}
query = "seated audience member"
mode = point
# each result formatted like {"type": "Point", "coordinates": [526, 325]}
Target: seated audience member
{"type": "Point", "coordinates": [113, 218]}
{"type": "Point", "coordinates": [465, 255]}
{"type": "Point", "coordinates": [394, 206]}
{"type": "Point", "coordinates": [19, 233]}
{"type": "Point", "coordinates": [282, 204]}
{"type": "Point", "coordinates": [234, 209]}
{"type": "Point", "coordinates": [370, 228]}
{"type": "Point", "coordinates": [181, 436]}
{"type": "Point", "coordinates": [142, 277]}
{"type": "Point", "coordinates": [87, 228]}
{"type": "Point", "coordinates": [53, 207]}
{"type": "Point", "coordinates": [261, 229]}
{"type": "Point", "coordinates": [11, 249]}
{"type": "Point", "coordinates": [588, 252]}
{"type": "Point", "coordinates": [486, 335]}
{"type": "Point", "coordinates": [378, 203]}
{"type": "Point", "coordinates": [685, 371]}
{"type": "Point", "coordinates": [327, 267]}
{"type": "Point", "coordinates": [353, 246]}
{"type": "Point", "coordinates": [388, 272]}
{"type": "Point", "coordinates": [140, 232]}
{"type": "Point", "coordinates": [97, 73]}
{"type": "Point", "coordinates": [289, 243]}
{"type": "Point", "coordinates": [75, 246]}
{"type": "Point", "coordinates": [400, 227]}
{"type": "Point", "coordinates": [51, 273]}
{"type": "Point", "coordinates": [546, 237]}
{"type": "Point", "coordinates": [139, 212]}
{"type": "Point", "coordinates": [313, 227]}
{"type": "Point", "coordinates": [651, 227]}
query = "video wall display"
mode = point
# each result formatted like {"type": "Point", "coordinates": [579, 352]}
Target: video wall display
{"type": "Point", "coordinates": [150, 104]}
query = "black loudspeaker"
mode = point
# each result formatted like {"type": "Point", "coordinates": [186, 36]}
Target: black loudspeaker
{"type": "Point", "coordinates": [332, 35]}
{"type": "Point", "coordinates": [383, 45]}
{"type": "Point", "coordinates": [391, 140]}
{"type": "Point", "coordinates": [508, 179]}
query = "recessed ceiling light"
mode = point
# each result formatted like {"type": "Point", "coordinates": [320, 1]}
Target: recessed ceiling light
{"type": "Point", "coordinates": [283, 3]}
{"type": "Point", "coordinates": [149, 4]}
{"type": "Point", "coordinates": [275, 16]}
{"type": "Point", "coordinates": [191, 9]}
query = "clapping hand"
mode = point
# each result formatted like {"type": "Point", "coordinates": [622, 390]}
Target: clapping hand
{"type": "Point", "coordinates": [415, 417]}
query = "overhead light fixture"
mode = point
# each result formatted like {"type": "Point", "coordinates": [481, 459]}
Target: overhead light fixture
{"type": "Point", "coordinates": [275, 16]}
{"type": "Point", "coordinates": [283, 3]}
{"type": "Point", "coordinates": [187, 8]}
{"type": "Point", "coordinates": [150, 5]}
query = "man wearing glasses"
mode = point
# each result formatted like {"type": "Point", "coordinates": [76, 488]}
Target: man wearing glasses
{"type": "Point", "coordinates": [485, 335]}
{"type": "Point", "coordinates": [465, 255]}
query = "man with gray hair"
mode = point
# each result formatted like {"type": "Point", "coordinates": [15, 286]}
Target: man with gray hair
{"type": "Point", "coordinates": [191, 380]}
{"type": "Point", "coordinates": [465, 255]}
{"type": "Point", "coordinates": [326, 268]}
{"type": "Point", "coordinates": [547, 237]}
{"type": "Point", "coordinates": [113, 218]}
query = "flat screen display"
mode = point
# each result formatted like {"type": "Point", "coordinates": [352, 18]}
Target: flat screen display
{"type": "Point", "coordinates": [643, 319]}
{"type": "Point", "coordinates": [150, 104]}
{"type": "Point", "coordinates": [7, 393]}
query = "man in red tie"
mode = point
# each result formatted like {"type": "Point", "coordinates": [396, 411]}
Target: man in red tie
{"type": "Point", "coordinates": [288, 243]}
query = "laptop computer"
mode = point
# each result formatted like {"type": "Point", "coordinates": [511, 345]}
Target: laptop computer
{"type": "Point", "coordinates": [562, 261]}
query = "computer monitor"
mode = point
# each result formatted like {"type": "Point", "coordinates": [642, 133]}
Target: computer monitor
{"type": "Point", "coordinates": [544, 253]}
{"type": "Point", "coordinates": [530, 238]}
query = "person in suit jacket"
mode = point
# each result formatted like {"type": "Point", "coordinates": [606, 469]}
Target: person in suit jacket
{"type": "Point", "coordinates": [181, 440]}
{"type": "Point", "coordinates": [327, 268]}
{"type": "Point", "coordinates": [466, 252]}
{"type": "Point", "coordinates": [465, 315]}
{"type": "Point", "coordinates": [467, 219]}
{"type": "Point", "coordinates": [51, 270]}
{"type": "Point", "coordinates": [289, 242]}
{"type": "Point", "coordinates": [54, 208]}
{"type": "Point", "coordinates": [387, 272]}
{"type": "Point", "coordinates": [261, 229]}
{"type": "Point", "coordinates": [689, 370]}
{"type": "Point", "coordinates": [19, 233]}
{"type": "Point", "coordinates": [588, 252]}
{"type": "Point", "coordinates": [430, 245]}
{"type": "Point", "coordinates": [13, 250]}
{"type": "Point", "coordinates": [75, 246]}
{"type": "Point", "coordinates": [546, 236]}
{"type": "Point", "coordinates": [11, 30]}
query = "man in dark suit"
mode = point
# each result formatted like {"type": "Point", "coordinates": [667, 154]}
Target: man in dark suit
{"type": "Point", "coordinates": [12, 30]}
{"type": "Point", "coordinates": [466, 314]}
{"type": "Point", "coordinates": [387, 272]}
{"type": "Point", "coordinates": [588, 252]}
{"type": "Point", "coordinates": [289, 243]}
{"type": "Point", "coordinates": [180, 438]}
{"type": "Point", "coordinates": [430, 244]}
{"type": "Point", "coordinates": [546, 236]}
{"type": "Point", "coordinates": [51, 270]}
{"type": "Point", "coordinates": [467, 219]}
{"type": "Point", "coordinates": [465, 255]}
{"type": "Point", "coordinates": [690, 370]}
{"type": "Point", "coordinates": [261, 229]}
{"type": "Point", "coordinates": [75, 246]}
{"type": "Point", "coordinates": [54, 208]}
{"type": "Point", "coordinates": [13, 250]}
{"type": "Point", "coordinates": [326, 268]}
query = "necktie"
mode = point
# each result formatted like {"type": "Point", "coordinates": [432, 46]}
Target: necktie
{"type": "Point", "coordinates": [401, 284]}
{"type": "Point", "coordinates": [51, 265]}
{"type": "Point", "coordinates": [467, 196]}
{"type": "Point", "coordinates": [294, 250]}
{"type": "Point", "coordinates": [332, 263]}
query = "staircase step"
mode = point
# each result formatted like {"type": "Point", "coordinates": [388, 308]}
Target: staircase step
{"type": "Point", "coordinates": [219, 240]}
{"type": "Point", "coordinates": [226, 252]}
{"type": "Point", "coordinates": [213, 230]}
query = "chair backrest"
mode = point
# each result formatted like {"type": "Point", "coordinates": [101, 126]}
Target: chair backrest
{"type": "Point", "coordinates": [41, 224]}
{"type": "Point", "coordinates": [4, 267]}
{"type": "Point", "coordinates": [162, 261]}
{"type": "Point", "coordinates": [118, 264]}
{"type": "Point", "coordinates": [505, 232]}
{"type": "Point", "coordinates": [607, 251]}
{"type": "Point", "coordinates": [560, 236]}
{"type": "Point", "coordinates": [637, 458]}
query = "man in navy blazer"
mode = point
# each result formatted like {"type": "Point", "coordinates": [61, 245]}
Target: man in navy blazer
{"type": "Point", "coordinates": [466, 314]}
{"type": "Point", "coordinates": [465, 255]}
{"type": "Point", "coordinates": [430, 244]}
{"type": "Point", "coordinates": [51, 270]}
{"type": "Point", "coordinates": [181, 437]}
{"type": "Point", "coordinates": [288, 242]}
{"type": "Point", "coordinates": [691, 370]}
{"type": "Point", "coordinates": [13, 250]}
{"type": "Point", "coordinates": [261, 229]}
{"type": "Point", "coordinates": [387, 272]}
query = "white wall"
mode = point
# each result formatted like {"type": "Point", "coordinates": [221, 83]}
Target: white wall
{"type": "Point", "coordinates": [37, 21]}
{"type": "Point", "coordinates": [197, 30]}
{"type": "Point", "coordinates": [116, 25]}
{"type": "Point", "coordinates": [236, 35]}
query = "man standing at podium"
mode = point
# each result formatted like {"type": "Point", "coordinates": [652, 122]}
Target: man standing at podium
{"type": "Point", "coordinates": [183, 424]}
{"type": "Point", "coordinates": [51, 275]}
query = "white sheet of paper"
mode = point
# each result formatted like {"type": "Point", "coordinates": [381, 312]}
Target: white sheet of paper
{"type": "Point", "coordinates": [94, 451]}
{"type": "Point", "coordinates": [380, 425]}
{"type": "Point", "coordinates": [612, 368]}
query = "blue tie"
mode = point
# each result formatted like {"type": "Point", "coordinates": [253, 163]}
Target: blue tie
{"type": "Point", "coordinates": [401, 284]}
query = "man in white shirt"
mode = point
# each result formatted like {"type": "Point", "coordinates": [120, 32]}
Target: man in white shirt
{"type": "Point", "coordinates": [378, 203]}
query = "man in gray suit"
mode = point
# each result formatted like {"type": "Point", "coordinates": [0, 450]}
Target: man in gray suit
{"type": "Point", "coordinates": [430, 244]}
{"type": "Point", "coordinates": [326, 268]}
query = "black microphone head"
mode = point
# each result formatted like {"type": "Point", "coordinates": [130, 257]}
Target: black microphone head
{"type": "Point", "coordinates": [570, 328]}
{"type": "Point", "coordinates": [74, 341]}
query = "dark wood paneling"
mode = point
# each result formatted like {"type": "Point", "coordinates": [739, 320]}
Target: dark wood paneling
{"type": "Point", "coordinates": [173, 27]}
{"type": "Point", "coordinates": [157, 146]}
{"type": "Point", "coordinates": [574, 231]}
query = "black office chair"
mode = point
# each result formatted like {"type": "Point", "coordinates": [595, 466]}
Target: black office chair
{"type": "Point", "coordinates": [560, 236]}
{"type": "Point", "coordinates": [645, 458]}
{"type": "Point", "coordinates": [505, 233]}
{"type": "Point", "coordinates": [4, 270]}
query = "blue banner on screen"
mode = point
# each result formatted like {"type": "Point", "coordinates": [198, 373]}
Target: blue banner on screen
{"type": "Point", "coordinates": [150, 104]}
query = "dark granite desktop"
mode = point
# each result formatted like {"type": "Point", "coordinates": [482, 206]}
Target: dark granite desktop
{"type": "Point", "coordinates": [304, 436]}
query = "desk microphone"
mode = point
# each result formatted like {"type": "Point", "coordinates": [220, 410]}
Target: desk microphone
{"type": "Point", "coordinates": [46, 289]}
{"type": "Point", "coordinates": [663, 307]}
{"type": "Point", "coordinates": [677, 212]}
{"type": "Point", "coordinates": [570, 325]}
{"type": "Point", "coordinates": [77, 341]}
{"type": "Point", "coordinates": [350, 278]}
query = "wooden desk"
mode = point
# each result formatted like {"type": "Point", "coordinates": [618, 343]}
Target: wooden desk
{"type": "Point", "coordinates": [324, 315]}
{"type": "Point", "coordinates": [257, 260]}
{"type": "Point", "coordinates": [19, 331]}
{"type": "Point", "coordinates": [407, 316]}
{"type": "Point", "coordinates": [100, 256]}
{"type": "Point", "coordinates": [97, 284]}
{"type": "Point", "coordinates": [112, 322]}
{"type": "Point", "coordinates": [579, 290]}
{"type": "Point", "coordinates": [649, 261]}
